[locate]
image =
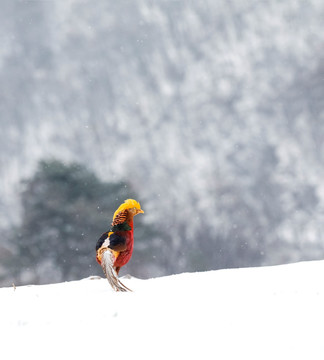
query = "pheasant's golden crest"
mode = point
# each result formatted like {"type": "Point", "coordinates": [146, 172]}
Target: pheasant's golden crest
{"type": "Point", "coordinates": [128, 204]}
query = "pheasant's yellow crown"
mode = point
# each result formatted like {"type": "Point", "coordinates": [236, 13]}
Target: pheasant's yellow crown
{"type": "Point", "coordinates": [128, 204]}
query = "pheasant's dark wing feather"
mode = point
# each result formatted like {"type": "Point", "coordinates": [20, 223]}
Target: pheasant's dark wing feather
{"type": "Point", "coordinates": [117, 242]}
{"type": "Point", "coordinates": [101, 240]}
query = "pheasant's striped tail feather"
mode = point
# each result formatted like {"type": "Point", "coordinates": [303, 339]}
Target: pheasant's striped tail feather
{"type": "Point", "coordinates": [107, 261]}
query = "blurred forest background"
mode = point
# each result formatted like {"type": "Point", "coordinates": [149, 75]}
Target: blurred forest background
{"type": "Point", "coordinates": [210, 113]}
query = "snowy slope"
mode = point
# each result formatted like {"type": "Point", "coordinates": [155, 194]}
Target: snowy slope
{"type": "Point", "coordinates": [255, 313]}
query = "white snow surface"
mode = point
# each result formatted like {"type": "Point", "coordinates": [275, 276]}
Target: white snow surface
{"type": "Point", "coordinates": [255, 313]}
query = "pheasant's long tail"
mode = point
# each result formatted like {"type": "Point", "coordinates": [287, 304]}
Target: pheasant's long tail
{"type": "Point", "coordinates": [107, 261]}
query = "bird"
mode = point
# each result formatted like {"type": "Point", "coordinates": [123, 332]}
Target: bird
{"type": "Point", "coordinates": [114, 248]}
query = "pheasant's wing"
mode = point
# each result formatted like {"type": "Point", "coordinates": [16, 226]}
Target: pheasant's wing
{"type": "Point", "coordinates": [117, 242]}
{"type": "Point", "coordinates": [101, 240]}
{"type": "Point", "coordinates": [111, 240]}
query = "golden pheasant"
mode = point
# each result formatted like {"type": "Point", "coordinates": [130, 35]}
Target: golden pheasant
{"type": "Point", "coordinates": [114, 247]}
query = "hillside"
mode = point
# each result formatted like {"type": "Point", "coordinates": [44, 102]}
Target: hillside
{"type": "Point", "coordinates": [269, 313]}
{"type": "Point", "coordinates": [203, 107]}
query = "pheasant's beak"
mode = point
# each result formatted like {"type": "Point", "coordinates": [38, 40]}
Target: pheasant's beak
{"type": "Point", "coordinates": [139, 211]}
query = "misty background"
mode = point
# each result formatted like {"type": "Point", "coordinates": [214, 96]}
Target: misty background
{"type": "Point", "coordinates": [210, 113]}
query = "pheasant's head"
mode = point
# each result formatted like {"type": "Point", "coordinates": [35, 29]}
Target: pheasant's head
{"type": "Point", "coordinates": [132, 206]}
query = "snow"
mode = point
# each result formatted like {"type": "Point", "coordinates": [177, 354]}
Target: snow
{"type": "Point", "coordinates": [254, 313]}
